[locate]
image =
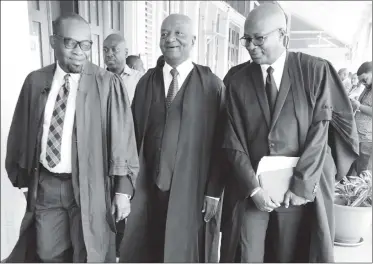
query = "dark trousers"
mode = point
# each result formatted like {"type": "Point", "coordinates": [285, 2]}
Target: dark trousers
{"type": "Point", "coordinates": [364, 161]}
{"type": "Point", "coordinates": [158, 209]}
{"type": "Point", "coordinates": [121, 225]}
{"type": "Point", "coordinates": [58, 221]}
{"type": "Point", "coordinates": [279, 236]}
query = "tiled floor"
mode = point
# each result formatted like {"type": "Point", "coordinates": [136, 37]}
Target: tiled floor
{"type": "Point", "coordinates": [361, 253]}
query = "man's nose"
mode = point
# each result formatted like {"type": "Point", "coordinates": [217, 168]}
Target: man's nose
{"type": "Point", "coordinates": [171, 38]}
{"type": "Point", "coordinates": [77, 50]}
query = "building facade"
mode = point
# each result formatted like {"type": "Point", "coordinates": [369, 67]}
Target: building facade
{"type": "Point", "coordinates": [218, 26]}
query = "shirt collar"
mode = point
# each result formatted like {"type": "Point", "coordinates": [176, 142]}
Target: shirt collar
{"type": "Point", "coordinates": [278, 64]}
{"type": "Point", "coordinates": [183, 68]}
{"type": "Point", "coordinates": [127, 70]}
{"type": "Point", "coordinates": [60, 73]}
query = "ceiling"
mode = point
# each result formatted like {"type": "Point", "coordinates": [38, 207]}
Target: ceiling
{"type": "Point", "coordinates": [340, 21]}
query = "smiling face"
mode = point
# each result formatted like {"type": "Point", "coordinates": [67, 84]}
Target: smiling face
{"type": "Point", "coordinates": [71, 60]}
{"type": "Point", "coordinates": [177, 39]}
{"type": "Point", "coordinates": [267, 21]}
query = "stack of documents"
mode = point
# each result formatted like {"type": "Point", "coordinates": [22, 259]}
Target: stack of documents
{"type": "Point", "coordinates": [274, 175]}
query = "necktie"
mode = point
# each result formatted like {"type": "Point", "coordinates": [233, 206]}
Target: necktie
{"type": "Point", "coordinates": [271, 89]}
{"type": "Point", "coordinates": [53, 152]}
{"type": "Point", "coordinates": [172, 90]}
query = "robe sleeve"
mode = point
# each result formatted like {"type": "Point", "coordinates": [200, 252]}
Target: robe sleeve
{"type": "Point", "coordinates": [17, 137]}
{"type": "Point", "coordinates": [216, 177]}
{"type": "Point", "coordinates": [308, 171]}
{"type": "Point", "coordinates": [234, 152]}
{"type": "Point", "coordinates": [123, 158]}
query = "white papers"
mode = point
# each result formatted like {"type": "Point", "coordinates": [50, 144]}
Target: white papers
{"type": "Point", "coordinates": [273, 163]}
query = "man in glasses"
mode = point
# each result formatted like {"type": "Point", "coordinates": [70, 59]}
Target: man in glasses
{"type": "Point", "coordinates": [115, 54]}
{"type": "Point", "coordinates": [72, 144]}
{"type": "Point", "coordinates": [282, 104]}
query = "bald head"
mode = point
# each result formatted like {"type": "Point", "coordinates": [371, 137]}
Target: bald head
{"type": "Point", "coordinates": [177, 39]}
{"type": "Point", "coordinates": [266, 17]}
{"type": "Point", "coordinates": [115, 53]}
{"type": "Point", "coordinates": [265, 33]}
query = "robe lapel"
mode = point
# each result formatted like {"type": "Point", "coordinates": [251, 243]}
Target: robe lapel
{"type": "Point", "coordinates": [257, 78]}
{"type": "Point", "coordinates": [44, 91]}
{"type": "Point", "coordinates": [85, 84]}
{"type": "Point", "coordinates": [283, 92]}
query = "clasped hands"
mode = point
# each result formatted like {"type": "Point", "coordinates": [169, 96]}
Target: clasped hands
{"type": "Point", "coordinates": [267, 204]}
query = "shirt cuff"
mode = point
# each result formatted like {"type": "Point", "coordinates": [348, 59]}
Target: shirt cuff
{"type": "Point", "coordinates": [128, 196]}
{"type": "Point", "coordinates": [215, 198]}
{"type": "Point", "coordinates": [257, 189]}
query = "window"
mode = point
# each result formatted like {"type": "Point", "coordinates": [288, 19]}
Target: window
{"type": "Point", "coordinates": [39, 34]}
{"type": "Point", "coordinates": [148, 60]}
{"type": "Point", "coordinates": [218, 23]}
{"type": "Point", "coordinates": [233, 45]}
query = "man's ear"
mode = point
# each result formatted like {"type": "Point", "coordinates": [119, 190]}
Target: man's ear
{"type": "Point", "coordinates": [194, 40]}
{"type": "Point", "coordinates": [52, 41]}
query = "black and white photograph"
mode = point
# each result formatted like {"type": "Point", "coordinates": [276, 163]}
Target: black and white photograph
{"type": "Point", "coordinates": [186, 131]}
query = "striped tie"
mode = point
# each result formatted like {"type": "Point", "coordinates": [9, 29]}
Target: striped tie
{"type": "Point", "coordinates": [174, 87]}
{"type": "Point", "coordinates": [53, 152]}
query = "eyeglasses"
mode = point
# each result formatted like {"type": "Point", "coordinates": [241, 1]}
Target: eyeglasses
{"type": "Point", "coordinates": [257, 41]}
{"type": "Point", "coordinates": [70, 43]}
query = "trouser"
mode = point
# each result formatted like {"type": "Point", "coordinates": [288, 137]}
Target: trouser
{"type": "Point", "coordinates": [364, 161]}
{"type": "Point", "coordinates": [121, 225]}
{"type": "Point", "coordinates": [58, 221]}
{"type": "Point", "coordinates": [159, 216]}
{"type": "Point", "coordinates": [279, 236]}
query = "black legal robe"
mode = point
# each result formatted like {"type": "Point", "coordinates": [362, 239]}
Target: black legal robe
{"type": "Point", "coordinates": [196, 170]}
{"type": "Point", "coordinates": [311, 88]}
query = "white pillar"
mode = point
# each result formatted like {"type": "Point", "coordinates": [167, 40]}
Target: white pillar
{"type": "Point", "coordinates": [15, 36]}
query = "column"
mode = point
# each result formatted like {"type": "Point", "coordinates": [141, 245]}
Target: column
{"type": "Point", "coordinates": [15, 36]}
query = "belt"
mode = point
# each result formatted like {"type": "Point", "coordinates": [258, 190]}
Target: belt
{"type": "Point", "coordinates": [62, 176]}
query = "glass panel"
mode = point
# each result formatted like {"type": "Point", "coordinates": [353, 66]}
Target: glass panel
{"type": "Point", "coordinates": [35, 4]}
{"type": "Point", "coordinates": [95, 51]}
{"type": "Point", "coordinates": [36, 45]}
{"type": "Point", "coordinates": [93, 10]}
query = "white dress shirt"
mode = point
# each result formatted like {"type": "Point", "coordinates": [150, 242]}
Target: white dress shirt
{"type": "Point", "coordinates": [183, 69]}
{"type": "Point", "coordinates": [130, 79]}
{"type": "Point", "coordinates": [64, 166]}
{"type": "Point", "coordinates": [278, 69]}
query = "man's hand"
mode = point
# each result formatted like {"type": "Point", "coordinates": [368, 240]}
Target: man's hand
{"type": "Point", "coordinates": [355, 104]}
{"type": "Point", "coordinates": [263, 202]}
{"type": "Point", "coordinates": [121, 206]}
{"type": "Point", "coordinates": [293, 199]}
{"type": "Point", "coordinates": [210, 206]}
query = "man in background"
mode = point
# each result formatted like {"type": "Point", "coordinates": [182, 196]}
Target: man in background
{"type": "Point", "coordinates": [135, 62]}
{"type": "Point", "coordinates": [357, 87]}
{"type": "Point", "coordinates": [343, 75]}
{"type": "Point", "coordinates": [115, 53]}
{"type": "Point", "coordinates": [363, 116]}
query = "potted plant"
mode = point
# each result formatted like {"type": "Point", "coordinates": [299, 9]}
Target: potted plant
{"type": "Point", "coordinates": [353, 208]}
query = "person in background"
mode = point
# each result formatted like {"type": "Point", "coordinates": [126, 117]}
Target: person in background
{"type": "Point", "coordinates": [363, 116]}
{"type": "Point", "coordinates": [282, 104]}
{"type": "Point", "coordinates": [72, 144]}
{"type": "Point", "coordinates": [135, 62]}
{"type": "Point", "coordinates": [343, 75]}
{"type": "Point", "coordinates": [357, 88]}
{"type": "Point", "coordinates": [179, 112]}
{"type": "Point", "coordinates": [115, 53]}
